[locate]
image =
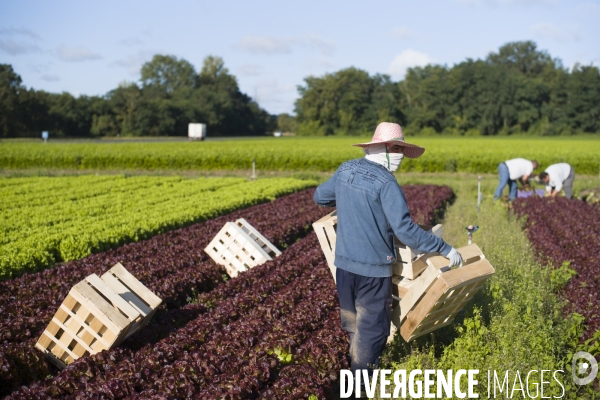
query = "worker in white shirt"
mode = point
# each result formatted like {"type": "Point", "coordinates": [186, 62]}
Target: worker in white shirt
{"type": "Point", "coordinates": [558, 176]}
{"type": "Point", "coordinates": [511, 171]}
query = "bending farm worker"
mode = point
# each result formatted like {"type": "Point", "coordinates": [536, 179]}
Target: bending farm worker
{"type": "Point", "coordinates": [558, 176]}
{"type": "Point", "coordinates": [371, 209]}
{"type": "Point", "coordinates": [511, 171]}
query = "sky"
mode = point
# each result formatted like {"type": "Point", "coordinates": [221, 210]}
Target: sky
{"type": "Point", "coordinates": [90, 47]}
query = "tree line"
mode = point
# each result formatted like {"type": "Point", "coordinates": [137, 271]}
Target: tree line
{"type": "Point", "coordinates": [519, 89]}
{"type": "Point", "coordinates": [170, 95]}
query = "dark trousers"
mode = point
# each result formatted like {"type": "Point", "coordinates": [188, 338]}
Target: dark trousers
{"type": "Point", "coordinates": [365, 309]}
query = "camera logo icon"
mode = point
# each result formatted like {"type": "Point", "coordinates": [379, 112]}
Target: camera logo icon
{"type": "Point", "coordinates": [581, 367]}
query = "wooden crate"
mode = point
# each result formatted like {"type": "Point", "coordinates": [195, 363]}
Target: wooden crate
{"type": "Point", "coordinates": [239, 247]}
{"type": "Point", "coordinates": [134, 293]}
{"type": "Point", "coordinates": [95, 316]}
{"type": "Point", "coordinates": [409, 263]}
{"type": "Point", "coordinates": [259, 239]}
{"type": "Point", "coordinates": [325, 228]}
{"type": "Point", "coordinates": [439, 294]}
{"type": "Point", "coordinates": [405, 266]}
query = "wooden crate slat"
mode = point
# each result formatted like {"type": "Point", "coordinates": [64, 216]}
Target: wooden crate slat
{"type": "Point", "coordinates": [60, 350]}
{"type": "Point", "coordinates": [431, 329]}
{"type": "Point", "coordinates": [412, 318]}
{"type": "Point", "coordinates": [108, 316]}
{"type": "Point", "coordinates": [481, 269]}
{"type": "Point", "coordinates": [266, 244]}
{"type": "Point", "coordinates": [125, 293]}
{"type": "Point", "coordinates": [41, 345]}
{"type": "Point", "coordinates": [130, 281]}
{"type": "Point", "coordinates": [400, 286]}
{"type": "Point", "coordinates": [91, 329]}
{"type": "Point", "coordinates": [417, 290]}
{"type": "Point", "coordinates": [326, 233]}
{"type": "Point", "coordinates": [117, 301]}
{"type": "Point", "coordinates": [69, 333]}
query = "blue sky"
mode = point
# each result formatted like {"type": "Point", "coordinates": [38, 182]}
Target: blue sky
{"type": "Point", "coordinates": [89, 47]}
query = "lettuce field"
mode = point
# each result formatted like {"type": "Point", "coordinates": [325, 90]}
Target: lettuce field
{"type": "Point", "coordinates": [476, 155]}
{"type": "Point", "coordinates": [48, 220]}
{"type": "Point", "coordinates": [272, 332]}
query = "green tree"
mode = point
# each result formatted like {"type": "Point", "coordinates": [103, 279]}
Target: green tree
{"type": "Point", "coordinates": [167, 74]}
{"type": "Point", "coordinates": [286, 123]}
{"type": "Point", "coordinates": [10, 89]}
{"type": "Point", "coordinates": [582, 110]}
{"type": "Point", "coordinates": [348, 102]}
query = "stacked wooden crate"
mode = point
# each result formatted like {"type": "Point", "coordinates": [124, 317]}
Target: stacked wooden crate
{"type": "Point", "coordinates": [439, 293]}
{"type": "Point", "coordinates": [239, 247]}
{"type": "Point", "coordinates": [428, 293]}
{"type": "Point", "coordinates": [97, 314]}
{"type": "Point", "coordinates": [408, 266]}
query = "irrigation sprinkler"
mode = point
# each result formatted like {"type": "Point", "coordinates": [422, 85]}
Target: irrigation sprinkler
{"type": "Point", "coordinates": [471, 229]}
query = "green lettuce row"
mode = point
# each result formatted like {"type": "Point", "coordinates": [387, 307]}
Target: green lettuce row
{"type": "Point", "coordinates": [458, 154]}
{"type": "Point", "coordinates": [130, 216]}
{"type": "Point", "coordinates": [63, 208]}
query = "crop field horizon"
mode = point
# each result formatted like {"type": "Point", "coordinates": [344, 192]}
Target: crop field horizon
{"type": "Point", "coordinates": [274, 330]}
{"type": "Point", "coordinates": [308, 154]}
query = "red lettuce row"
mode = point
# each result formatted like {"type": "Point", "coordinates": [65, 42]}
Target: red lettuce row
{"type": "Point", "coordinates": [93, 374]}
{"type": "Point", "coordinates": [163, 343]}
{"type": "Point", "coordinates": [568, 230]}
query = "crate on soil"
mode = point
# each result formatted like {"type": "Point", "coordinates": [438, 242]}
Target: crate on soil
{"type": "Point", "coordinates": [239, 246]}
{"type": "Point", "coordinates": [435, 298]}
{"type": "Point", "coordinates": [97, 314]}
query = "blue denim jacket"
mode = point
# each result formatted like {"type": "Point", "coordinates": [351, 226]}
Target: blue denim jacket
{"type": "Point", "coordinates": [371, 209]}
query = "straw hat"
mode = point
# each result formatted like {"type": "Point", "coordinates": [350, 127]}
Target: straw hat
{"type": "Point", "coordinates": [388, 132]}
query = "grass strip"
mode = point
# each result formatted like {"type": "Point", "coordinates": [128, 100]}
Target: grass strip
{"type": "Point", "coordinates": [515, 323]}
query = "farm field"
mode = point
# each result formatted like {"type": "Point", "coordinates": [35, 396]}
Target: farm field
{"type": "Point", "coordinates": [569, 241]}
{"type": "Point", "coordinates": [259, 335]}
{"type": "Point", "coordinates": [52, 219]}
{"type": "Point", "coordinates": [287, 305]}
{"type": "Point", "coordinates": [464, 154]}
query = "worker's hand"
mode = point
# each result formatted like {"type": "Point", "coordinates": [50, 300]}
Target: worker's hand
{"type": "Point", "coordinates": [455, 258]}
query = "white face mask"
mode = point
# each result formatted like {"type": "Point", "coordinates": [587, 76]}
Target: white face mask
{"type": "Point", "coordinates": [378, 153]}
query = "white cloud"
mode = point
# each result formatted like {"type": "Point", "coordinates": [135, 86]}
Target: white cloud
{"type": "Point", "coordinates": [402, 32]}
{"type": "Point", "coordinates": [18, 32]}
{"type": "Point", "coordinates": [407, 59]}
{"type": "Point", "coordinates": [266, 45]}
{"type": "Point", "coordinates": [249, 70]}
{"type": "Point", "coordinates": [76, 54]}
{"type": "Point", "coordinates": [50, 78]}
{"type": "Point", "coordinates": [318, 43]}
{"type": "Point", "coordinates": [23, 44]}
{"type": "Point", "coordinates": [284, 45]}
{"type": "Point", "coordinates": [562, 33]}
{"type": "Point", "coordinates": [15, 48]}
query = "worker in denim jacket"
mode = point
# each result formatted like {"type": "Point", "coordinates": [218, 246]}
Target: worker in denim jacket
{"type": "Point", "coordinates": [371, 209]}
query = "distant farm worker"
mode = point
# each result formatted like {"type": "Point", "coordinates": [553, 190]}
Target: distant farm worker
{"type": "Point", "coordinates": [371, 209]}
{"type": "Point", "coordinates": [511, 171]}
{"type": "Point", "coordinates": [558, 176]}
